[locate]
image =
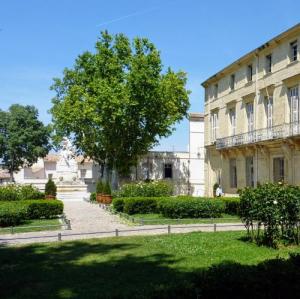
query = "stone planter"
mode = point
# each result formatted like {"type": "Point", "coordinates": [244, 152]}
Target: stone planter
{"type": "Point", "coordinates": [49, 196]}
{"type": "Point", "coordinates": [99, 197]}
{"type": "Point", "coordinates": [106, 199]}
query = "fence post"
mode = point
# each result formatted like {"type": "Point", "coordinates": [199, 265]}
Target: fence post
{"type": "Point", "coordinates": [142, 221]}
{"type": "Point", "coordinates": [12, 230]}
{"type": "Point", "coordinates": [169, 229]}
{"type": "Point", "coordinates": [215, 227]}
{"type": "Point", "coordinates": [68, 224]}
{"type": "Point", "coordinates": [117, 232]}
{"type": "Point", "coordinates": [59, 236]}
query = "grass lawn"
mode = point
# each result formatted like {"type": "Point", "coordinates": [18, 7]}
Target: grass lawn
{"type": "Point", "coordinates": [28, 226]}
{"type": "Point", "coordinates": [150, 219]}
{"type": "Point", "coordinates": [124, 267]}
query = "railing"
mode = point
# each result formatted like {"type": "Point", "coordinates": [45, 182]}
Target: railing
{"type": "Point", "coordinates": [273, 133]}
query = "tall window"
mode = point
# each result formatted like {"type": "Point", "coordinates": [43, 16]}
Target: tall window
{"type": "Point", "coordinates": [214, 126]}
{"type": "Point", "coordinates": [278, 169]}
{"type": "Point", "coordinates": [294, 104]}
{"type": "Point", "coordinates": [249, 172]}
{"type": "Point", "coordinates": [168, 171]}
{"type": "Point", "coordinates": [232, 82]}
{"type": "Point", "coordinates": [250, 116]}
{"type": "Point", "coordinates": [294, 50]}
{"type": "Point", "coordinates": [216, 87]}
{"type": "Point", "coordinates": [232, 117]}
{"type": "Point", "coordinates": [269, 111]}
{"type": "Point", "coordinates": [269, 63]}
{"type": "Point", "coordinates": [233, 173]}
{"type": "Point", "coordinates": [249, 73]}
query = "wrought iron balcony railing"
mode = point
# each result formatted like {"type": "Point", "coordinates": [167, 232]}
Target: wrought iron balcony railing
{"type": "Point", "coordinates": [272, 133]}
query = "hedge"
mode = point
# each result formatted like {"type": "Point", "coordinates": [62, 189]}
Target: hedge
{"type": "Point", "coordinates": [20, 192]}
{"type": "Point", "coordinates": [191, 208]}
{"type": "Point", "coordinates": [232, 205]}
{"type": "Point", "coordinates": [14, 212]}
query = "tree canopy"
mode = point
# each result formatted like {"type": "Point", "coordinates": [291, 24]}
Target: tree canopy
{"type": "Point", "coordinates": [117, 102]}
{"type": "Point", "coordinates": [23, 138]}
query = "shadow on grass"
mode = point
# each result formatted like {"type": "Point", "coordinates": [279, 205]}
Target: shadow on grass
{"type": "Point", "coordinates": [96, 270]}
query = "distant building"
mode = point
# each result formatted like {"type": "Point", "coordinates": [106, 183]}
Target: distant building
{"type": "Point", "coordinates": [252, 111]}
{"type": "Point", "coordinates": [184, 169]}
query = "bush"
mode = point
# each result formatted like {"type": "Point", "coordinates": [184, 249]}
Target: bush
{"type": "Point", "coordinates": [232, 205]}
{"type": "Point", "coordinates": [107, 188]}
{"type": "Point", "coordinates": [44, 208]}
{"type": "Point", "coordinates": [144, 189]}
{"type": "Point", "coordinates": [99, 187]}
{"type": "Point", "coordinates": [10, 193]}
{"type": "Point", "coordinates": [191, 208]}
{"type": "Point", "coordinates": [30, 192]}
{"type": "Point", "coordinates": [118, 204]}
{"type": "Point", "coordinates": [93, 197]}
{"type": "Point", "coordinates": [140, 205]}
{"type": "Point", "coordinates": [50, 188]}
{"type": "Point", "coordinates": [12, 213]}
{"type": "Point", "coordinates": [275, 208]}
{"type": "Point", "coordinates": [19, 192]}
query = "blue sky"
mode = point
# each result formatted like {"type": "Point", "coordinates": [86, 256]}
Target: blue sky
{"type": "Point", "coordinates": [38, 39]}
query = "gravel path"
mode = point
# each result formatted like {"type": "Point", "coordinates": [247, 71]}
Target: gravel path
{"type": "Point", "coordinates": [90, 219]}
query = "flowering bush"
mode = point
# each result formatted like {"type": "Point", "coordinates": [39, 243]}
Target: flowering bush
{"type": "Point", "coordinates": [271, 212]}
{"type": "Point", "coordinates": [19, 192]}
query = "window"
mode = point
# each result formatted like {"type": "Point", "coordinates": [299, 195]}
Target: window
{"type": "Point", "coordinates": [232, 117]}
{"type": "Point", "coordinates": [249, 73]}
{"type": "Point", "coordinates": [249, 172]}
{"type": "Point", "coordinates": [269, 111]}
{"type": "Point", "coordinates": [233, 173]}
{"type": "Point", "coordinates": [216, 87]}
{"type": "Point", "coordinates": [50, 176]}
{"type": "Point", "coordinates": [250, 116]}
{"type": "Point", "coordinates": [214, 126]}
{"type": "Point", "coordinates": [294, 104]}
{"type": "Point", "coordinates": [168, 171]}
{"type": "Point", "coordinates": [278, 169]}
{"type": "Point", "coordinates": [294, 50]}
{"type": "Point", "coordinates": [232, 82]}
{"type": "Point", "coordinates": [82, 173]}
{"type": "Point", "coordinates": [269, 63]}
{"type": "Point", "coordinates": [147, 170]}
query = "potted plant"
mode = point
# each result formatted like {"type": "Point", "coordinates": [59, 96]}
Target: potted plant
{"type": "Point", "coordinates": [50, 190]}
{"type": "Point", "coordinates": [99, 191]}
{"type": "Point", "coordinates": [106, 197]}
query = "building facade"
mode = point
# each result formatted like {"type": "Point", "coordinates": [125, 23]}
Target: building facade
{"type": "Point", "coordinates": [252, 113]}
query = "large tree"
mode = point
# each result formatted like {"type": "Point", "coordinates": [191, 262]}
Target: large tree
{"type": "Point", "coordinates": [23, 138]}
{"type": "Point", "coordinates": [117, 102]}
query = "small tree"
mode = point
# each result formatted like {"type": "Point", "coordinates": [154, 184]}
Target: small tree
{"type": "Point", "coordinates": [50, 188]}
{"type": "Point", "coordinates": [107, 189]}
{"type": "Point", "coordinates": [99, 187]}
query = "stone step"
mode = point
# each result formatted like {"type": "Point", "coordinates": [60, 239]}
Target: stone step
{"type": "Point", "coordinates": [72, 196]}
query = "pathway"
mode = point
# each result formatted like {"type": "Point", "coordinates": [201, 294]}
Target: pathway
{"type": "Point", "coordinates": [90, 219]}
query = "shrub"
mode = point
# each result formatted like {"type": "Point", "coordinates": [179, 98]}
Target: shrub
{"type": "Point", "coordinates": [140, 205]}
{"type": "Point", "coordinates": [50, 188]}
{"type": "Point", "coordinates": [276, 210]}
{"type": "Point", "coordinates": [43, 208]}
{"type": "Point", "coordinates": [93, 197]}
{"type": "Point", "coordinates": [118, 204]}
{"type": "Point", "coordinates": [106, 188]}
{"type": "Point", "coordinates": [146, 189]}
{"type": "Point", "coordinates": [191, 208]}
{"type": "Point", "coordinates": [12, 213]}
{"type": "Point", "coordinates": [30, 192]}
{"type": "Point", "coordinates": [232, 205]}
{"type": "Point", "coordinates": [99, 187]}
{"type": "Point", "coordinates": [19, 192]}
{"type": "Point", "coordinates": [9, 193]}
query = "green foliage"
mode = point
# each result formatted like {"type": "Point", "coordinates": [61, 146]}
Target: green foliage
{"type": "Point", "coordinates": [93, 197]}
{"type": "Point", "coordinates": [118, 204]}
{"type": "Point", "coordinates": [117, 102]}
{"type": "Point", "coordinates": [19, 192]}
{"type": "Point", "coordinates": [107, 188]}
{"type": "Point", "coordinates": [23, 138]}
{"type": "Point", "coordinates": [143, 189]}
{"type": "Point", "coordinates": [275, 208]}
{"type": "Point", "coordinates": [100, 187]}
{"type": "Point", "coordinates": [50, 188]}
{"type": "Point", "coordinates": [232, 205]}
{"type": "Point", "coordinates": [15, 212]}
{"type": "Point", "coordinates": [191, 208]}
{"type": "Point", "coordinates": [140, 205]}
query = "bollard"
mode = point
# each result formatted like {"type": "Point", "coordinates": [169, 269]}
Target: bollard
{"type": "Point", "coordinates": [169, 229]}
{"type": "Point", "coordinates": [215, 227]}
{"type": "Point", "coordinates": [59, 236]}
{"type": "Point", "coordinates": [68, 224]}
{"type": "Point", "coordinates": [117, 232]}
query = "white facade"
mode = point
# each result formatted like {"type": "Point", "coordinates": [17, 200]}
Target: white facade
{"type": "Point", "coordinates": [184, 169]}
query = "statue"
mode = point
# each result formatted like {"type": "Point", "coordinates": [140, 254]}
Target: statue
{"type": "Point", "coordinates": [67, 152]}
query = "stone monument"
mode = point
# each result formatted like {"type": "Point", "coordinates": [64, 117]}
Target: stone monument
{"type": "Point", "coordinates": [69, 186]}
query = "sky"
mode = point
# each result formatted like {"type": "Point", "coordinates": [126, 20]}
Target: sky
{"type": "Point", "coordinates": [39, 38]}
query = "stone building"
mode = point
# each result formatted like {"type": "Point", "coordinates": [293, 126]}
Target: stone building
{"type": "Point", "coordinates": [252, 115]}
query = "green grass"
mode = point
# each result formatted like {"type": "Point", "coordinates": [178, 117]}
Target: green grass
{"type": "Point", "coordinates": [28, 226]}
{"type": "Point", "coordinates": [124, 267]}
{"type": "Point", "coordinates": [151, 219]}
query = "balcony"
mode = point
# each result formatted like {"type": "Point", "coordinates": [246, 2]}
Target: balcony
{"type": "Point", "coordinates": [267, 134]}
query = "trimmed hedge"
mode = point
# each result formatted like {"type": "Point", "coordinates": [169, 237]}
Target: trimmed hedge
{"type": "Point", "coordinates": [232, 205]}
{"type": "Point", "coordinates": [14, 212]}
{"type": "Point", "coordinates": [118, 204]}
{"type": "Point", "coordinates": [20, 192]}
{"type": "Point", "coordinates": [191, 208]}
